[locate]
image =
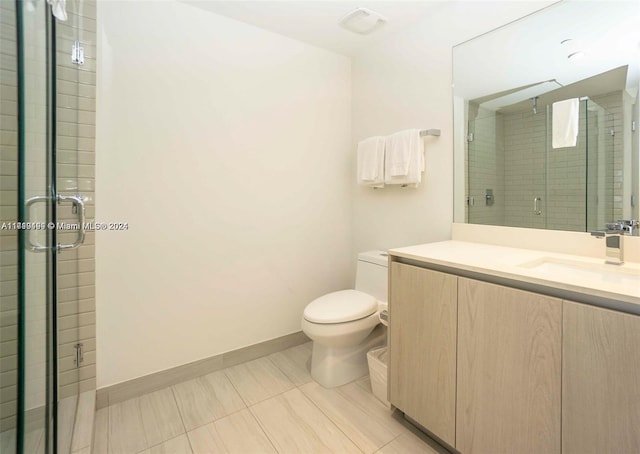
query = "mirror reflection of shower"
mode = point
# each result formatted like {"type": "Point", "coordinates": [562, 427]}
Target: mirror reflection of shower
{"type": "Point", "coordinates": [509, 153]}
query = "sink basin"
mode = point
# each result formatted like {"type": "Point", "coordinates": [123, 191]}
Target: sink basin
{"type": "Point", "coordinates": [593, 272]}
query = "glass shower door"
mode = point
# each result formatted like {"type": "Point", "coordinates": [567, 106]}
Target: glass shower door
{"type": "Point", "coordinates": [485, 185]}
{"type": "Point", "coordinates": [30, 209]}
{"type": "Point", "coordinates": [8, 237]}
{"type": "Point", "coordinates": [27, 258]}
{"type": "Point", "coordinates": [579, 183]}
{"type": "Point", "coordinates": [36, 251]}
{"type": "Point", "coordinates": [602, 156]}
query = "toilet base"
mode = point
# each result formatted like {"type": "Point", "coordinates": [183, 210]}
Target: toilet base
{"type": "Point", "coordinates": [335, 366]}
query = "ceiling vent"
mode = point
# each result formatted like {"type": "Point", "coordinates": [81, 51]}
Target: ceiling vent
{"type": "Point", "coordinates": [363, 21]}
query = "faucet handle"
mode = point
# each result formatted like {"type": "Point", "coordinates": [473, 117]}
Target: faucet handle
{"type": "Point", "coordinates": [627, 225]}
{"type": "Point", "coordinates": [622, 226]}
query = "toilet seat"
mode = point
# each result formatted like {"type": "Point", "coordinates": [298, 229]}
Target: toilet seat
{"type": "Point", "coordinates": [340, 307]}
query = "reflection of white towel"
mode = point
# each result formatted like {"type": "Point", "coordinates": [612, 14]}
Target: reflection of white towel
{"type": "Point", "coordinates": [371, 162]}
{"type": "Point", "coordinates": [565, 123]}
{"type": "Point", "coordinates": [58, 9]}
{"type": "Point", "coordinates": [404, 159]}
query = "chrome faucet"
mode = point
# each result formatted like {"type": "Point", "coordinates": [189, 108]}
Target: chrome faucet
{"type": "Point", "coordinates": [614, 238]}
{"type": "Point", "coordinates": [623, 226]}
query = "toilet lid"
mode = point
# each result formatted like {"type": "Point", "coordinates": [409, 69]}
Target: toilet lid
{"type": "Point", "coordinates": [339, 307]}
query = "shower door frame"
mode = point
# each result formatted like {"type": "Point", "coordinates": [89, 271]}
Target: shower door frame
{"type": "Point", "coordinates": [49, 440]}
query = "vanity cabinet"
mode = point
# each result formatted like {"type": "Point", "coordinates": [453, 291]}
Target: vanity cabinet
{"type": "Point", "coordinates": [509, 370]}
{"type": "Point", "coordinates": [491, 369]}
{"type": "Point", "coordinates": [600, 381]}
{"type": "Point", "coordinates": [422, 342]}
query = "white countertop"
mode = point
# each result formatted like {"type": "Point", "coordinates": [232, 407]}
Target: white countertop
{"type": "Point", "coordinates": [585, 278]}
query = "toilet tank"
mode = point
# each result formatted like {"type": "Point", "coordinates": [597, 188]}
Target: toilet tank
{"type": "Point", "coordinates": [372, 274]}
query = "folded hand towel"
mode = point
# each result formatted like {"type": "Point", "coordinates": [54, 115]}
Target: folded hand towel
{"type": "Point", "coordinates": [371, 153]}
{"type": "Point", "coordinates": [404, 160]}
{"type": "Point", "coordinates": [565, 123]}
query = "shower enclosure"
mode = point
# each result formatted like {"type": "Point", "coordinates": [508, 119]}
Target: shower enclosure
{"type": "Point", "coordinates": [42, 197]}
{"type": "Point", "coordinates": [515, 178]}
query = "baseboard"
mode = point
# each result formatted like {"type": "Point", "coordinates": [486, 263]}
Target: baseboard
{"type": "Point", "coordinates": [110, 395]}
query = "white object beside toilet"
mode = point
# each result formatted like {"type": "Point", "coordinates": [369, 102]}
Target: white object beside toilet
{"type": "Point", "coordinates": [345, 325]}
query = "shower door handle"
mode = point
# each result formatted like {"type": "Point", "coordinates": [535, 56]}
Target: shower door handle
{"type": "Point", "coordinates": [27, 208]}
{"type": "Point", "coordinates": [78, 202]}
{"type": "Point", "coordinates": [536, 206]}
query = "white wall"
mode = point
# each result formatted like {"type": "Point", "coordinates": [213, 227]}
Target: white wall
{"type": "Point", "coordinates": [227, 150]}
{"type": "Point", "coordinates": [405, 82]}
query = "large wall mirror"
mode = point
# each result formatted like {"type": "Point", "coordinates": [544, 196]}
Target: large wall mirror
{"type": "Point", "coordinates": [546, 119]}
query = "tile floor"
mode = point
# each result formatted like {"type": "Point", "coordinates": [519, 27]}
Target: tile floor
{"type": "Point", "coordinates": [269, 405]}
{"type": "Point", "coordinates": [33, 441]}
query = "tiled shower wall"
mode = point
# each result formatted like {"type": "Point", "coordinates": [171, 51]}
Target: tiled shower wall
{"type": "Point", "coordinates": [8, 212]}
{"type": "Point", "coordinates": [76, 105]}
{"type": "Point", "coordinates": [525, 137]}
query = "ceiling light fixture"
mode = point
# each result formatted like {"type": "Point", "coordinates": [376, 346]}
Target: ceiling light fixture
{"type": "Point", "coordinates": [363, 21]}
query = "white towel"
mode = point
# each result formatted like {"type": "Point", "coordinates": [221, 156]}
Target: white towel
{"type": "Point", "coordinates": [565, 123]}
{"type": "Point", "coordinates": [371, 162]}
{"type": "Point", "coordinates": [404, 158]}
{"type": "Point", "coordinates": [58, 9]}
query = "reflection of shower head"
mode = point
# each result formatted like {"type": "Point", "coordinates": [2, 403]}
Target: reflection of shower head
{"type": "Point", "coordinates": [535, 104]}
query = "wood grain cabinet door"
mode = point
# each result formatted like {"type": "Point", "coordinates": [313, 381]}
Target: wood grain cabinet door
{"type": "Point", "coordinates": [600, 381]}
{"type": "Point", "coordinates": [509, 370]}
{"type": "Point", "coordinates": [422, 342]}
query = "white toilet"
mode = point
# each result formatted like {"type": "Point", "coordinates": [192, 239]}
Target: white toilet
{"type": "Point", "coordinates": [345, 325]}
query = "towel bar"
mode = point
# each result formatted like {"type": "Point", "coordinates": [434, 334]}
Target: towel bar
{"type": "Point", "coordinates": [429, 132]}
